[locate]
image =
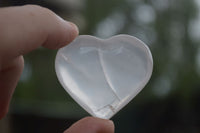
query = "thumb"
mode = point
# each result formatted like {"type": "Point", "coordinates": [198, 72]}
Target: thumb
{"type": "Point", "coordinates": [91, 125]}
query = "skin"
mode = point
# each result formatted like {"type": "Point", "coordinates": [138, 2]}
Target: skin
{"type": "Point", "coordinates": [24, 29]}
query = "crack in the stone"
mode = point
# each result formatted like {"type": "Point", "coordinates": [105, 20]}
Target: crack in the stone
{"type": "Point", "coordinates": [106, 76]}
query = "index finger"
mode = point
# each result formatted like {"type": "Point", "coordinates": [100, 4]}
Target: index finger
{"type": "Point", "coordinates": [23, 29]}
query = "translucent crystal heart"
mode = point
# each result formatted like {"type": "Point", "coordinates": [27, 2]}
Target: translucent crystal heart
{"type": "Point", "coordinates": [104, 75]}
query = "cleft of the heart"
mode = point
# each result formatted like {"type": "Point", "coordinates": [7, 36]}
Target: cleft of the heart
{"type": "Point", "coordinates": [101, 75]}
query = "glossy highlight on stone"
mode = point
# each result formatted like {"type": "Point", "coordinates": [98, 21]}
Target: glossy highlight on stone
{"type": "Point", "coordinates": [104, 75]}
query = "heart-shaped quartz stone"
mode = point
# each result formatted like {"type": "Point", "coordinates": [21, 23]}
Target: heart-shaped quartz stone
{"type": "Point", "coordinates": [104, 75]}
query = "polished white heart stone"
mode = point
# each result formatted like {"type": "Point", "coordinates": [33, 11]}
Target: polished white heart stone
{"type": "Point", "coordinates": [104, 75]}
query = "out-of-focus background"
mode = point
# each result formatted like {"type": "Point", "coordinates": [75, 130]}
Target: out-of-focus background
{"type": "Point", "coordinates": [170, 103]}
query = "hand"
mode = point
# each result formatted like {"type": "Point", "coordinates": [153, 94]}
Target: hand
{"type": "Point", "coordinates": [23, 29]}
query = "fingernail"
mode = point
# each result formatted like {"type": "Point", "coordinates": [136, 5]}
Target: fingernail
{"type": "Point", "coordinates": [110, 122]}
{"type": "Point", "coordinates": [111, 125]}
{"type": "Point", "coordinates": [74, 27]}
